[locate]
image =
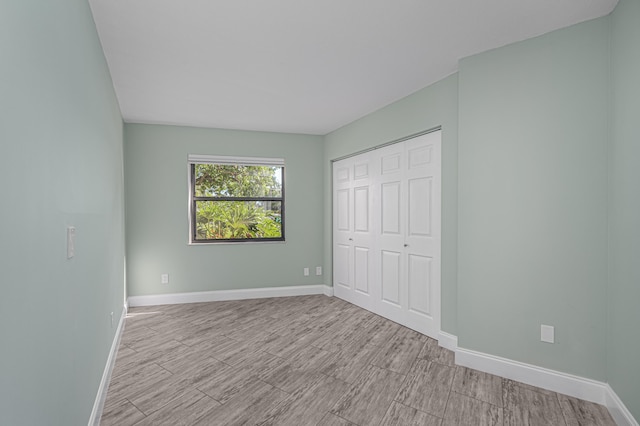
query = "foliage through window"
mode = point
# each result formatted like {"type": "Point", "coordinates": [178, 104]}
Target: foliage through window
{"type": "Point", "coordinates": [237, 200]}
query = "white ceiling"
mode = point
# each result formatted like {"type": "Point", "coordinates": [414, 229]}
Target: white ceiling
{"type": "Point", "coordinates": [301, 66]}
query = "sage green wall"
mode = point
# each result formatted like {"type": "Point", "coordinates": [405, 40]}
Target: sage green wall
{"type": "Point", "coordinates": [436, 105]}
{"type": "Point", "coordinates": [624, 208]}
{"type": "Point", "coordinates": [60, 165]}
{"type": "Point", "coordinates": [156, 212]}
{"type": "Point", "coordinates": [532, 199]}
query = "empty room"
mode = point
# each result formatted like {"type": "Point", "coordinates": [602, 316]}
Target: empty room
{"type": "Point", "coordinates": [319, 213]}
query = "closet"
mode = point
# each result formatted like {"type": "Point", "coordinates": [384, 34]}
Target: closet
{"type": "Point", "coordinates": [386, 231]}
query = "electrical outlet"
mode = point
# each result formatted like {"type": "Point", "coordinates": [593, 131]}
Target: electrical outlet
{"type": "Point", "coordinates": [306, 272]}
{"type": "Point", "coordinates": [318, 270]}
{"type": "Point", "coordinates": [164, 279]}
{"type": "Point", "coordinates": [547, 333]}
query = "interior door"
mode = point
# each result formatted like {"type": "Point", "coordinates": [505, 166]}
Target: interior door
{"type": "Point", "coordinates": [353, 231]}
{"type": "Point", "coordinates": [422, 233]}
{"type": "Point", "coordinates": [387, 206]}
{"type": "Point", "coordinates": [391, 212]}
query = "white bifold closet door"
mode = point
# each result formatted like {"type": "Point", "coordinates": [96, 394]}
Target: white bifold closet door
{"type": "Point", "coordinates": [386, 231]}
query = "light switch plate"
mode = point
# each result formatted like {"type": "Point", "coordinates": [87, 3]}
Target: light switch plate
{"type": "Point", "coordinates": [547, 333]}
{"type": "Point", "coordinates": [71, 241]}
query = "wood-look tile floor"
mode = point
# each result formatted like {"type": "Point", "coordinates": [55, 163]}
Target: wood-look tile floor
{"type": "Point", "coordinates": [309, 360]}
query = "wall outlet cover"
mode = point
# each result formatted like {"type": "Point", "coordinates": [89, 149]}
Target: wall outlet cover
{"type": "Point", "coordinates": [547, 333]}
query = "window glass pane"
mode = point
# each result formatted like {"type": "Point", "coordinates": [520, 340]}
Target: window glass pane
{"type": "Point", "coordinates": [221, 220]}
{"type": "Point", "coordinates": [220, 180]}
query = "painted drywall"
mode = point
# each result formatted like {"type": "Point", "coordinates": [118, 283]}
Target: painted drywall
{"type": "Point", "coordinates": [624, 208]}
{"type": "Point", "coordinates": [60, 165]}
{"type": "Point", "coordinates": [435, 105]}
{"type": "Point", "coordinates": [156, 177]}
{"type": "Point", "coordinates": [533, 129]}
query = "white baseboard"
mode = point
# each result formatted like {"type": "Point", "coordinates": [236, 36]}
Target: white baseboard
{"type": "Point", "coordinates": [328, 291]}
{"type": "Point", "coordinates": [618, 410]}
{"type": "Point", "coordinates": [568, 384]}
{"type": "Point", "coordinates": [220, 295]}
{"type": "Point", "coordinates": [98, 405]}
{"type": "Point", "coordinates": [448, 341]}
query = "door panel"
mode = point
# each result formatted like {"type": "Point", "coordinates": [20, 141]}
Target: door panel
{"type": "Point", "coordinates": [342, 174]}
{"type": "Point", "coordinates": [420, 207]}
{"type": "Point", "coordinates": [361, 209]}
{"type": "Point", "coordinates": [419, 281]}
{"type": "Point", "coordinates": [343, 210]}
{"type": "Point", "coordinates": [390, 163]}
{"type": "Point", "coordinates": [390, 277]}
{"type": "Point", "coordinates": [361, 170]}
{"type": "Point", "coordinates": [361, 271]}
{"type": "Point", "coordinates": [390, 211]}
{"type": "Point", "coordinates": [343, 266]}
{"type": "Point", "coordinates": [419, 156]}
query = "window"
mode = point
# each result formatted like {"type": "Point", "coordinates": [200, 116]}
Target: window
{"type": "Point", "coordinates": [236, 199]}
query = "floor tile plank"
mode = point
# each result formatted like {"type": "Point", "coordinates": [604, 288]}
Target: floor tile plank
{"type": "Point", "coordinates": [120, 413]}
{"type": "Point", "coordinates": [582, 413]}
{"type": "Point", "coordinates": [290, 377]}
{"type": "Point", "coordinates": [431, 351]}
{"type": "Point", "coordinates": [427, 387]}
{"type": "Point", "coordinates": [369, 398]}
{"type": "Point", "coordinates": [308, 406]}
{"type": "Point", "coordinates": [259, 363]}
{"type": "Point", "coordinates": [524, 406]}
{"type": "Point", "coordinates": [244, 409]}
{"type": "Point", "coordinates": [331, 419]}
{"type": "Point", "coordinates": [137, 380]}
{"type": "Point", "coordinates": [348, 365]}
{"type": "Point", "coordinates": [400, 352]}
{"type": "Point", "coordinates": [401, 415]}
{"type": "Point", "coordinates": [225, 383]}
{"type": "Point", "coordinates": [479, 385]}
{"type": "Point", "coordinates": [156, 397]}
{"type": "Point", "coordinates": [181, 411]}
{"type": "Point", "coordinates": [463, 410]}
